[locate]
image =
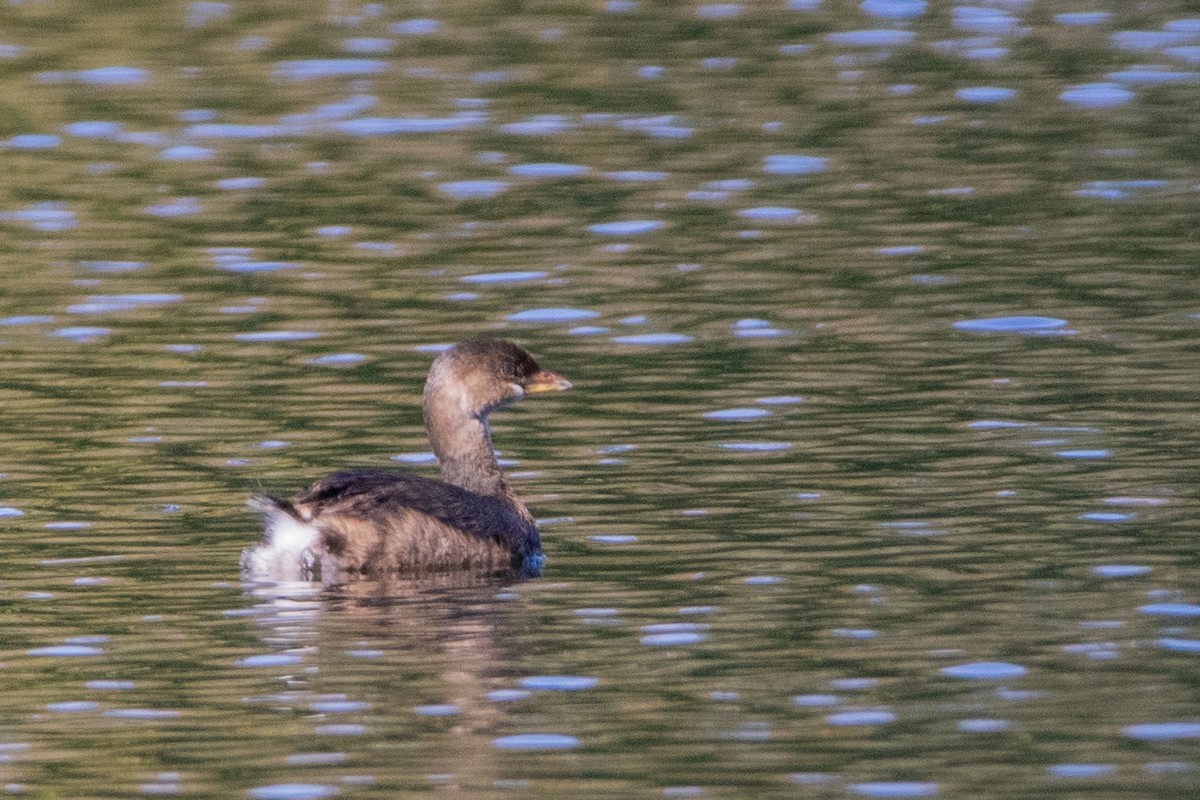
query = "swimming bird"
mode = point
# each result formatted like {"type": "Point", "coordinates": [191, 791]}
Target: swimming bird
{"type": "Point", "coordinates": [376, 522]}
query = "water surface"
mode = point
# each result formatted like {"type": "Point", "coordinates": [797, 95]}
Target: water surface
{"type": "Point", "coordinates": [877, 481]}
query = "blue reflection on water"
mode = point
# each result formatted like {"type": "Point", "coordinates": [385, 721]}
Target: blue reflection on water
{"type": "Point", "coordinates": [48, 217]}
{"type": "Point", "coordinates": [83, 333]}
{"type": "Point", "coordinates": [986, 94]}
{"type": "Point", "coordinates": [985, 670]}
{"type": "Point", "coordinates": [391, 126]}
{"type": "Point", "coordinates": [1082, 18]}
{"type": "Point", "coordinates": [549, 170]}
{"type": "Point", "coordinates": [653, 339]}
{"type": "Point", "coordinates": [560, 683]}
{"type": "Point", "coordinates": [737, 414]}
{"type": "Point", "coordinates": [338, 360]}
{"type": "Point", "coordinates": [894, 9]}
{"type": "Point", "coordinates": [113, 76]}
{"type": "Point", "coordinates": [628, 228]}
{"type": "Point", "coordinates": [1120, 570]}
{"type": "Point", "coordinates": [474, 189]}
{"type": "Point", "coordinates": [292, 791]}
{"type": "Point", "coordinates": [535, 741]}
{"type": "Point", "coordinates": [315, 68]}
{"type": "Point", "coordinates": [1096, 95]}
{"type": "Point", "coordinates": [861, 718]}
{"type": "Point", "coordinates": [66, 651]}
{"type": "Point", "coordinates": [276, 336]}
{"type": "Point", "coordinates": [785, 164]}
{"type": "Point", "coordinates": [516, 276]}
{"type": "Point", "coordinates": [1013, 324]}
{"type": "Point", "coordinates": [1188, 610]}
{"type": "Point", "coordinates": [894, 789]}
{"type": "Point", "coordinates": [34, 141]}
{"type": "Point", "coordinates": [878, 37]}
{"type": "Point", "coordinates": [552, 315]}
{"type": "Point", "coordinates": [1163, 731]}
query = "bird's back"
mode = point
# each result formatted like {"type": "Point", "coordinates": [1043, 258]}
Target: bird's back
{"type": "Point", "coordinates": [376, 522]}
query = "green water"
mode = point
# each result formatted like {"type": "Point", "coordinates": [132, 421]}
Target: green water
{"type": "Point", "coordinates": [793, 484]}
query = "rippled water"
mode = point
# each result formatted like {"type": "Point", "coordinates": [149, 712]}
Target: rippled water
{"type": "Point", "coordinates": [879, 475]}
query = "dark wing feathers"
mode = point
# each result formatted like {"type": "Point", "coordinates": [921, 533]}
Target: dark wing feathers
{"type": "Point", "coordinates": [368, 494]}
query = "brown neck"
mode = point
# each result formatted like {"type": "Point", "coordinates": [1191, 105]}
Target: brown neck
{"type": "Point", "coordinates": [464, 450]}
{"type": "Point", "coordinates": [463, 444]}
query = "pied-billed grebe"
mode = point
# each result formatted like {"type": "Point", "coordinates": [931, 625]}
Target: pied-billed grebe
{"type": "Point", "coordinates": [374, 522]}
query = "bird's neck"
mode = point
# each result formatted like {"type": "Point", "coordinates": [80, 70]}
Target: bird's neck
{"type": "Point", "coordinates": [463, 445]}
